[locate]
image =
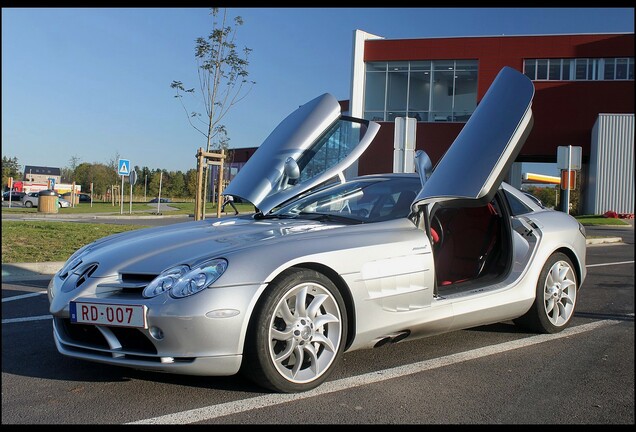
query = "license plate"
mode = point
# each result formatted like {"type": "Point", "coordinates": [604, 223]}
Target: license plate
{"type": "Point", "coordinates": [108, 314]}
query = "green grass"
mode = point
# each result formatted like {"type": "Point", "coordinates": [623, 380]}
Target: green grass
{"type": "Point", "coordinates": [592, 220]}
{"type": "Point", "coordinates": [43, 241]}
{"type": "Point", "coordinates": [183, 208]}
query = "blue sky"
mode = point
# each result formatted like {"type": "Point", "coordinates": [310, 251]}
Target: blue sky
{"type": "Point", "coordinates": [94, 83]}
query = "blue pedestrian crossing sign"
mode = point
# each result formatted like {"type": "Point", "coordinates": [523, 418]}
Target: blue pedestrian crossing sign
{"type": "Point", "coordinates": [124, 167]}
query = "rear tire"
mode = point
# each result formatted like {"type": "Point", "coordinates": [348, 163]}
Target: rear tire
{"type": "Point", "coordinates": [297, 333]}
{"type": "Point", "coordinates": [555, 300]}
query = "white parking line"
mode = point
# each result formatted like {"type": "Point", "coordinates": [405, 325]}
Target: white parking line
{"type": "Point", "coordinates": [608, 264]}
{"type": "Point", "coordinates": [34, 318]}
{"type": "Point", "coordinates": [215, 411]}
{"type": "Point", "coordinates": [23, 296]}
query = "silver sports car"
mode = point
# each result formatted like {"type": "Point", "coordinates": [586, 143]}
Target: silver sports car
{"type": "Point", "coordinates": [330, 262]}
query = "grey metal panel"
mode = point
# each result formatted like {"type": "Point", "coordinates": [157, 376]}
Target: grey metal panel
{"type": "Point", "coordinates": [263, 180]}
{"type": "Point", "coordinates": [592, 176]}
{"type": "Point", "coordinates": [475, 164]}
{"type": "Point", "coordinates": [296, 133]}
{"type": "Point", "coordinates": [612, 164]}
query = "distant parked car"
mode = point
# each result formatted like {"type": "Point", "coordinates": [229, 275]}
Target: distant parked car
{"type": "Point", "coordinates": [32, 198]}
{"type": "Point", "coordinates": [83, 197]}
{"type": "Point", "coordinates": [15, 196]}
{"type": "Point", "coordinates": [163, 200]}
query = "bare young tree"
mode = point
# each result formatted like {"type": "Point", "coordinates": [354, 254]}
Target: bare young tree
{"type": "Point", "coordinates": [223, 79]}
{"type": "Point", "coordinates": [68, 172]}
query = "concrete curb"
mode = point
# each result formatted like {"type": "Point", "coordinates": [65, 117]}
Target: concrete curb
{"type": "Point", "coordinates": [603, 240]}
{"type": "Point", "coordinates": [44, 270]}
{"type": "Point", "coordinates": [29, 271]}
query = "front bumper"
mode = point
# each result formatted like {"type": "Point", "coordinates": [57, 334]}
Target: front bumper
{"type": "Point", "coordinates": [207, 366]}
{"type": "Point", "coordinates": [181, 336]}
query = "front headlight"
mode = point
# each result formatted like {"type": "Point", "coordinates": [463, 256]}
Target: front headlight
{"type": "Point", "coordinates": [165, 281]}
{"type": "Point", "coordinates": [199, 278]}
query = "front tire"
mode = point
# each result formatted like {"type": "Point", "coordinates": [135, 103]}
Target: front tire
{"type": "Point", "coordinates": [297, 333]}
{"type": "Point", "coordinates": [28, 204]}
{"type": "Point", "coordinates": [555, 301]}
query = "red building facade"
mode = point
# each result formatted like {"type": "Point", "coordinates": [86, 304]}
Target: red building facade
{"type": "Point", "coordinates": [565, 110]}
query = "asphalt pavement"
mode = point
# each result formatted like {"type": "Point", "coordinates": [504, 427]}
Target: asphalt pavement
{"type": "Point", "coordinates": [43, 270]}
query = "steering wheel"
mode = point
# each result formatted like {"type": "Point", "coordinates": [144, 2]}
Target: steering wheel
{"type": "Point", "coordinates": [363, 213]}
{"type": "Point", "coordinates": [437, 228]}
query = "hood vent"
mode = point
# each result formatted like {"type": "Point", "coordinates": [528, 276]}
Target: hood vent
{"type": "Point", "coordinates": [85, 274]}
{"type": "Point", "coordinates": [78, 277]}
{"type": "Point", "coordinates": [70, 269]}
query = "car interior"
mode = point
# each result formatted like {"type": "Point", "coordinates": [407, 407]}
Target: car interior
{"type": "Point", "coordinates": [468, 245]}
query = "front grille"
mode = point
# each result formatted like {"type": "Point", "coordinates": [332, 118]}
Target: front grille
{"type": "Point", "coordinates": [133, 340]}
{"type": "Point", "coordinates": [134, 278]}
{"type": "Point", "coordinates": [134, 283]}
{"type": "Point", "coordinates": [88, 336]}
{"type": "Point", "coordinates": [83, 334]}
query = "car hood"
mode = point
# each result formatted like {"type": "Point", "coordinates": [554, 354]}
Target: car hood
{"type": "Point", "coordinates": [150, 251]}
{"type": "Point", "coordinates": [314, 144]}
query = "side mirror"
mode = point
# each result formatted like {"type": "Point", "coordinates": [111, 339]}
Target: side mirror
{"type": "Point", "coordinates": [292, 171]}
{"type": "Point", "coordinates": [423, 165]}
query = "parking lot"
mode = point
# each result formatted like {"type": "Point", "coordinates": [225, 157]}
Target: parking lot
{"type": "Point", "coordinates": [487, 375]}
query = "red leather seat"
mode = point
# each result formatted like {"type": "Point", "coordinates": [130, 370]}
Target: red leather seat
{"type": "Point", "coordinates": [469, 234]}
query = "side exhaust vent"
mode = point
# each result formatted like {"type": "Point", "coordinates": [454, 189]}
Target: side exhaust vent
{"type": "Point", "coordinates": [392, 338]}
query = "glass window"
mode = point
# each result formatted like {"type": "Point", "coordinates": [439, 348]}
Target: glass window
{"type": "Point", "coordinates": [621, 68]}
{"type": "Point", "coordinates": [565, 73]}
{"type": "Point", "coordinates": [530, 68]}
{"type": "Point", "coordinates": [465, 100]}
{"type": "Point", "coordinates": [554, 69]}
{"type": "Point", "coordinates": [397, 87]}
{"type": "Point", "coordinates": [366, 200]}
{"type": "Point", "coordinates": [419, 91]}
{"type": "Point", "coordinates": [542, 69]}
{"type": "Point", "coordinates": [375, 89]}
{"type": "Point", "coordinates": [420, 66]}
{"type": "Point", "coordinates": [442, 95]}
{"type": "Point", "coordinates": [467, 65]}
{"type": "Point", "coordinates": [331, 148]}
{"type": "Point", "coordinates": [376, 66]}
{"type": "Point", "coordinates": [391, 115]}
{"type": "Point", "coordinates": [580, 71]}
{"type": "Point", "coordinates": [608, 69]}
{"type": "Point", "coordinates": [444, 65]}
{"type": "Point", "coordinates": [516, 206]}
{"type": "Point", "coordinates": [374, 115]}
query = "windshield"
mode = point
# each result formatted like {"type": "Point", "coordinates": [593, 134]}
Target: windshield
{"type": "Point", "coordinates": [367, 200]}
